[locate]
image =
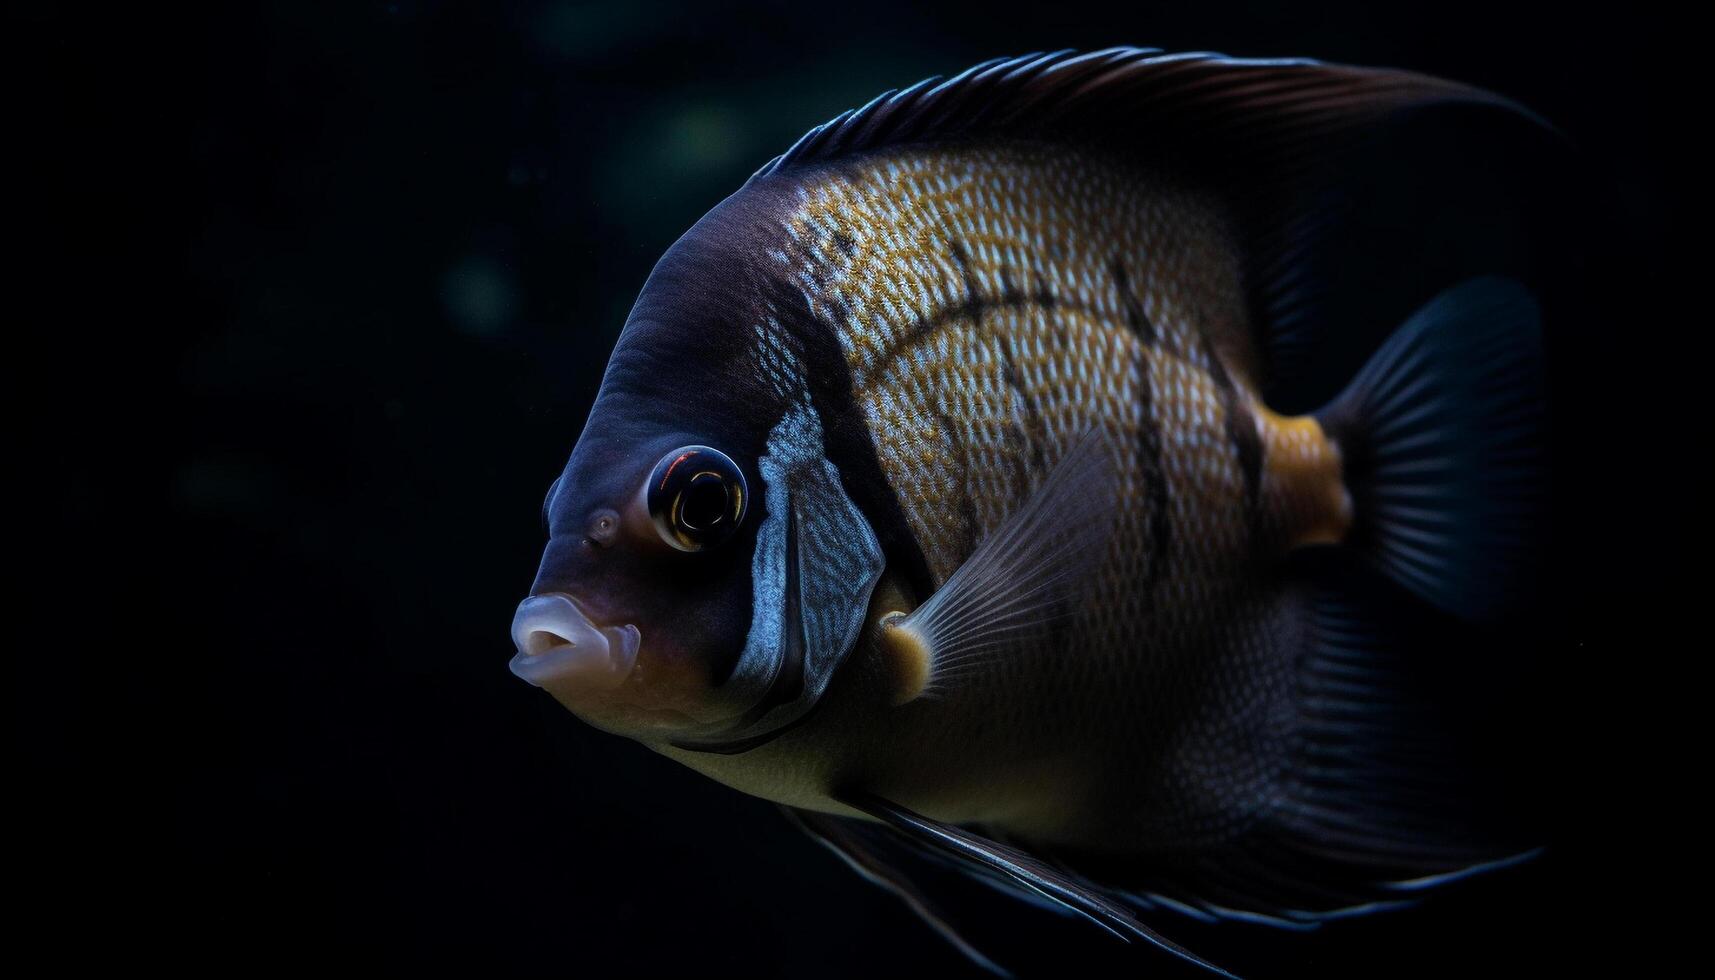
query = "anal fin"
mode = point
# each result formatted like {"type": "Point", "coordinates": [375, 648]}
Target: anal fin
{"type": "Point", "coordinates": [848, 841]}
{"type": "Point", "coordinates": [1388, 778]}
{"type": "Point", "coordinates": [1390, 786]}
{"type": "Point", "coordinates": [988, 858]}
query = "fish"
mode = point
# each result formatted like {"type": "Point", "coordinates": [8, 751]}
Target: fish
{"type": "Point", "coordinates": [936, 491]}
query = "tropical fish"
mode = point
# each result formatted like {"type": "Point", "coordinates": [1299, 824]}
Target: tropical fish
{"type": "Point", "coordinates": [934, 492]}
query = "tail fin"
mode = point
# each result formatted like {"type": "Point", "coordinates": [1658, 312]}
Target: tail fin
{"type": "Point", "coordinates": [1444, 445]}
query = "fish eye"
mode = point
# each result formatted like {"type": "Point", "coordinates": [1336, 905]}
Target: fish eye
{"type": "Point", "coordinates": [697, 498]}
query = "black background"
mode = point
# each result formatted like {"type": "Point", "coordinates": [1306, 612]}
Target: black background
{"type": "Point", "coordinates": [326, 291]}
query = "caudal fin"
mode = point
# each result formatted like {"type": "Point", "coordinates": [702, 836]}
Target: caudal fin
{"type": "Point", "coordinates": [1444, 449]}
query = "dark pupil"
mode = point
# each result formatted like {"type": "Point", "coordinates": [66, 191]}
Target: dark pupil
{"type": "Point", "coordinates": [705, 502]}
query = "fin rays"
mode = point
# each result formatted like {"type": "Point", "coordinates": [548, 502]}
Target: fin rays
{"type": "Point", "coordinates": [1028, 571]}
{"type": "Point", "coordinates": [1021, 870]}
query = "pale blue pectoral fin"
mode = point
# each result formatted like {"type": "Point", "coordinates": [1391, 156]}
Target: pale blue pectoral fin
{"type": "Point", "coordinates": [1026, 577]}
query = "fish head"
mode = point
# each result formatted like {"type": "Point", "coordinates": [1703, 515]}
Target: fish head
{"type": "Point", "coordinates": [642, 598]}
{"type": "Point", "coordinates": [668, 605]}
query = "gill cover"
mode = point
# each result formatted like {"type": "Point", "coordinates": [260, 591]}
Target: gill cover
{"type": "Point", "coordinates": [816, 562]}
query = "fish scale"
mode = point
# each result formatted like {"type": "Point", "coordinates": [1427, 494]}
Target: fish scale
{"type": "Point", "coordinates": [895, 341]}
{"type": "Point", "coordinates": [974, 384]}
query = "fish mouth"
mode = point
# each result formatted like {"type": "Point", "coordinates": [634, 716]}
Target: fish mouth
{"type": "Point", "coordinates": [562, 652]}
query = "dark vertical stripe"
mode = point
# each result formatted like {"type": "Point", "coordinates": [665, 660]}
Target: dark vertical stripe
{"type": "Point", "coordinates": [1057, 334]}
{"type": "Point", "coordinates": [1241, 430]}
{"type": "Point", "coordinates": [1031, 435]}
{"type": "Point", "coordinates": [1154, 476]}
{"type": "Point", "coordinates": [1135, 317]}
{"type": "Point", "coordinates": [975, 304]}
{"type": "Point", "coordinates": [847, 439]}
{"type": "Point", "coordinates": [1045, 293]}
{"type": "Point", "coordinates": [974, 301]}
{"type": "Point", "coordinates": [1010, 294]}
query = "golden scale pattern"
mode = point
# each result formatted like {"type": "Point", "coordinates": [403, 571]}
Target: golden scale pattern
{"type": "Point", "coordinates": [903, 240]}
{"type": "Point", "coordinates": [984, 299]}
{"type": "Point", "coordinates": [992, 302]}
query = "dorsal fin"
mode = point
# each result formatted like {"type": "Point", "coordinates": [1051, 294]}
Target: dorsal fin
{"type": "Point", "coordinates": [1266, 135]}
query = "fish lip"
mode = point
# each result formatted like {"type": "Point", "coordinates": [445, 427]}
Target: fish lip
{"type": "Point", "coordinates": [560, 649]}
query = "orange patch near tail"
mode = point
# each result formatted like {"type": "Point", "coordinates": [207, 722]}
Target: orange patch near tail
{"type": "Point", "coordinates": [1303, 483]}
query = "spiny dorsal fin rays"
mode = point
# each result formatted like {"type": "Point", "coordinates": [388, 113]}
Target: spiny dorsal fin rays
{"type": "Point", "coordinates": [1117, 90]}
{"type": "Point", "coordinates": [1271, 137]}
{"type": "Point", "coordinates": [1028, 573]}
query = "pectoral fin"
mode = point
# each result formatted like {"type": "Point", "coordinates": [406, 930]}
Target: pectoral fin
{"type": "Point", "coordinates": [1027, 575]}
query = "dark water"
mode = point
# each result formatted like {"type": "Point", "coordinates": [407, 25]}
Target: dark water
{"type": "Point", "coordinates": [327, 291]}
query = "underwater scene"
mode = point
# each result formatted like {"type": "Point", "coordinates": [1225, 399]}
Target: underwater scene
{"type": "Point", "coordinates": [669, 489]}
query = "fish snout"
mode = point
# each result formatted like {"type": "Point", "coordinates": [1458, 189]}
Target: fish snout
{"type": "Point", "coordinates": [562, 652]}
